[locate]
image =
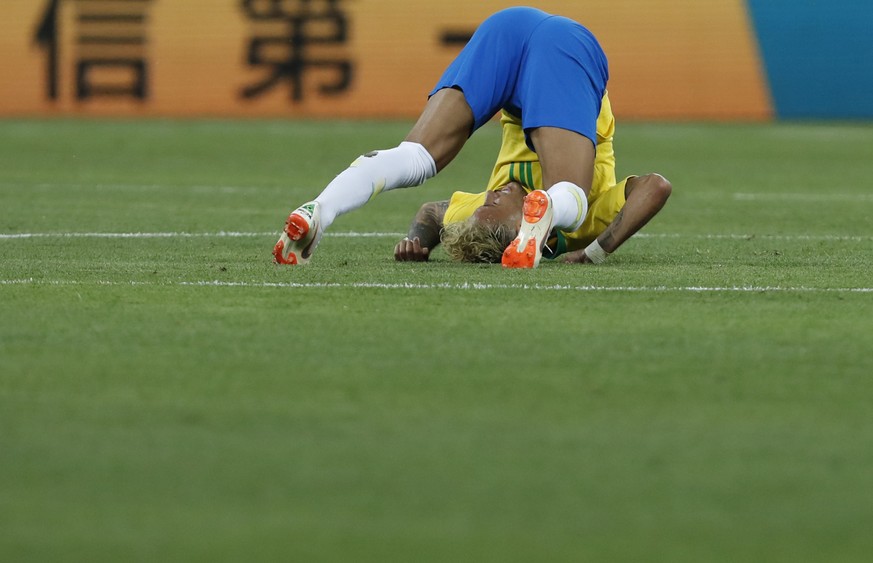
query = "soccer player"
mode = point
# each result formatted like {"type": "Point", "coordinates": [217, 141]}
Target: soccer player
{"type": "Point", "coordinates": [479, 227]}
{"type": "Point", "coordinates": [547, 70]}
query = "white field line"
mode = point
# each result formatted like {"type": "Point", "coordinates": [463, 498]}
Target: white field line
{"type": "Point", "coordinates": [856, 238]}
{"type": "Point", "coordinates": [448, 286]}
{"type": "Point", "coordinates": [822, 196]}
{"type": "Point", "coordinates": [139, 187]}
{"type": "Point", "coordinates": [182, 234]}
{"type": "Point", "coordinates": [239, 234]}
{"type": "Point", "coordinates": [819, 197]}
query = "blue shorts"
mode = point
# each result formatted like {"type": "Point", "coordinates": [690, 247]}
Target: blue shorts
{"type": "Point", "coordinates": [547, 70]}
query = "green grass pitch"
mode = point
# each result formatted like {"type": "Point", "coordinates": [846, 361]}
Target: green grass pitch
{"type": "Point", "coordinates": [168, 394]}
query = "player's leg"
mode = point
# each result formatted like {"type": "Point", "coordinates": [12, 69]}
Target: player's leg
{"type": "Point", "coordinates": [567, 160]}
{"type": "Point", "coordinates": [437, 137]}
{"type": "Point", "coordinates": [565, 156]}
{"type": "Point", "coordinates": [439, 134]}
{"type": "Point", "coordinates": [408, 164]}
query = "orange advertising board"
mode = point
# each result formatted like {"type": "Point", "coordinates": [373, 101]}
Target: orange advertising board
{"type": "Point", "coordinates": [347, 58]}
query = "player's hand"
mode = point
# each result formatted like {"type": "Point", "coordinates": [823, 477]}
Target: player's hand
{"type": "Point", "coordinates": [411, 251]}
{"type": "Point", "coordinates": [577, 257]}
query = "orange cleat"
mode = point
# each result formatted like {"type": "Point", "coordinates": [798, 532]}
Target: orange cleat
{"type": "Point", "coordinates": [527, 248]}
{"type": "Point", "coordinates": [301, 235]}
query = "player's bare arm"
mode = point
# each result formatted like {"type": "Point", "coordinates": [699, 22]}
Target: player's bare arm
{"type": "Point", "coordinates": [424, 233]}
{"type": "Point", "coordinates": [646, 195]}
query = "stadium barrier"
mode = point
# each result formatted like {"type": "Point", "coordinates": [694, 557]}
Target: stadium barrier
{"type": "Point", "coordinates": [669, 59]}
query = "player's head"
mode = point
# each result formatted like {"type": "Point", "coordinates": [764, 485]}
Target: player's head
{"type": "Point", "coordinates": [485, 235]}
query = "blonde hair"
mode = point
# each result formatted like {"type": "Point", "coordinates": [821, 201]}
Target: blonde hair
{"type": "Point", "coordinates": [472, 241]}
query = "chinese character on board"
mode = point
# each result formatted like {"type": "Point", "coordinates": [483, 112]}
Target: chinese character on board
{"type": "Point", "coordinates": [109, 38]}
{"type": "Point", "coordinates": [294, 38]}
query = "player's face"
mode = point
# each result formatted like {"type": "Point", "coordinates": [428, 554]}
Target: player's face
{"type": "Point", "coordinates": [503, 206]}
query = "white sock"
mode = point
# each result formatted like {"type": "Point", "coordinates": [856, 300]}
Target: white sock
{"type": "Point", "coordinates": [407, 165]}
{"type": "Point", "coordinates": [569, 204]}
